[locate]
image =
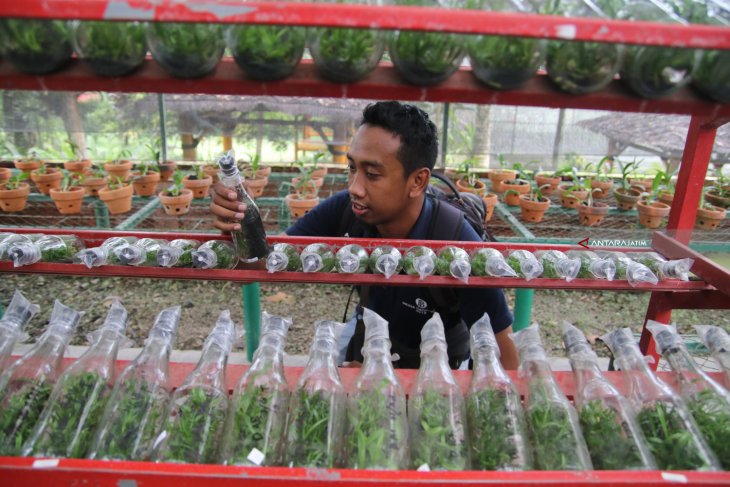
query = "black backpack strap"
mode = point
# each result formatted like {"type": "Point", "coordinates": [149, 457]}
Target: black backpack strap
{"type": "Point", "coordinates": [446, 221]}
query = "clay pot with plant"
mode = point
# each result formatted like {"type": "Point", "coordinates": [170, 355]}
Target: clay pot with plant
{"type": "Point", "coordinates": [120, 166]}
{"type": "Point", "coordinates": [651, 211]}
{"type": "Point", "coordinates": [145, 179]}
{"type": "Point", "coordinates": [718, 193]}
{"type": "Point", "coordinates": [590, 212]}
{"type": "Point", "coordinates": [117, 195]}
{"type": "Point", "coordinates": [709, 216]}
{"type": "Point", "coordinates": [572, 193]}
{"type": "Point", "coordinates": [70, 195]}
{"type": "Point", "coordinates": [165, 168]}
{"type": "Point", "coordinates": [14, 193]}
{"type": "Point", "coordinates": [212, 171]}
{"type": "Point", "coordinates": [94, 180]}
{"type": "Point", "coordinates": [548, 180]}
{"type": "Point", "coordinates": [490, 202]}
{"type": "Point", "coordinates": [468, 181]}
{"type": "Point", "coordinates": [533, 204]}
{"type": "Point", "coordinates": [601, 180]}
{"type": "Point", "coordinates": [513, 189]}
{"type": "Point", "coordinates": [176, 198]}
{"type": "Point", "coordinates": [5, 174]}
{"type": "Point", "coordinates": [29, 163]}
{"type": "Point", "coordinates": [75, 158]}
{"type": "Point", "coordinates": [198, 182]}
{"type": "Point", "coordinates": [498, 176]}
{"type": "Point", "coordinates": [46, 178]}
{"type": "Point", "coordinates": [626, 196]}
{"type": "Point", "coordinates": [304, 197]}
{"type": "Point", "coordinates": [256, 177]}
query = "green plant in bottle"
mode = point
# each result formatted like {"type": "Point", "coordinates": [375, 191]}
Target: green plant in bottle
{"type": "Point", "coordinates": [186, 50]}
{"type": "Point", "coordinates": [266, 52]}
{"type": "Point", "coordinates": [110, 48]}
{"type": "Point", "coordinates": [36, 46]}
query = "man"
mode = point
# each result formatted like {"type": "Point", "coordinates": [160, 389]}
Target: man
{"type": "Point", "coordinates": [390, 161]}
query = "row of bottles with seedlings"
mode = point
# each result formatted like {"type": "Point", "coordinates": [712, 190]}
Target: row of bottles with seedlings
{"type": "Point", "coordinates": [88, 411]}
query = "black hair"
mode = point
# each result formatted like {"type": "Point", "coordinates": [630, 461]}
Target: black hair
{"type": "Point", "coordinates": [419, 138]}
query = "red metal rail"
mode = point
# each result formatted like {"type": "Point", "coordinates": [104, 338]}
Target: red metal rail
{"type": "Point", "coordinates": [384, 17]}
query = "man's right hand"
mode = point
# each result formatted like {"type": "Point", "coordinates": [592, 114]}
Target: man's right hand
{"type": "Point", "coordinates": [226, 208]}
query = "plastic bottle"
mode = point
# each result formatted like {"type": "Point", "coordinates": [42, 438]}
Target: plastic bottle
{"type": "Point", "coordinates": [67, 425]}
{"type": "Point", "coordinates": [318, 257]}
{"type": "Point", "coordinates": [179, 253]}
{"type": "Point", "coordinates": [627, 268]}
{"type": "Point", "coordinates": [103, 254]}
{"type": "Point", "coordinates": [18, 312]}
{"type": "Point", "coordinates": [283, 257]}
{"type": "Point", "coordinates": [524, 262]}
{"type": "Point", "coordinates": [453, 261]}
{"type": "Point", "coordinates": [135, 410]}
{"type": "Point", "coordinates": [490, 262]}
{"type": "Point", "coordinates": [557, 265]}
{"type": "Point", "coordinates": [352, 259]}
{"type": "Point", "coordinates": [663, 268]}
{"type": "Point", "coordinates": [215, 254]}
{"type": "Point", "coordinates": [7, 240]}
{"type": "Point", "coordinates": [592, 266]}
{"type": "Point", "coordinates": [386, 260]}
{"type": "Point", "coordinates": [48, 248]}
{"type": "Point", "coordinates": [250, 240]}
{"type": "Point", "coordinates": [420, 261]}
{"type": "Point", "coordinates": [143, 252]}
{"type": "Point", "coordinates": [26, 386]}
{"type": "Point", "coordinates": [717, 341]}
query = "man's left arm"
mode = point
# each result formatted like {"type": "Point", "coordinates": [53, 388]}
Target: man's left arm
{"type": "Point", "coordinates": [507, 350]}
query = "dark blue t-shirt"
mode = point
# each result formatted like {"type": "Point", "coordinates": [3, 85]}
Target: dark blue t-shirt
{"type": "Point", "coordinates": [408, 308]}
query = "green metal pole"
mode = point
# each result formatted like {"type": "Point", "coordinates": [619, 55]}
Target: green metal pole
{"type": "Point", "coordinates": [251, 316]}
{"type": "Point", "coordinates": [523, 308]}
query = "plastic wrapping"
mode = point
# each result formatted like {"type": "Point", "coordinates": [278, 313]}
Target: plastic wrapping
{"type": "Point", "coordinates": [266, 52]}
{"type": "Point", "coordinates": [663, 268]}
{"type": "Point", "coordinates": [103, 254]}
{"type": "Point", "coordinates": [352, 259]}
{"type": "Point", "coordinates": [498, 438]}
{"type": "Point", "coordinates": [196, 416]}
{"type": "Point", "coordinates": [215, 254]}
{"type": "Point", "coordinates": [186, 50]}
{"type": "Point", "coordinates": [110, 48]}
{"type": "Point", "coordinates": [627, 268]}
{"type": "Point", "coordinates": [67, 425]}
{"type": "Point", "coordinates": [436, 410]}
{"type": "Point", "coordinates": [717, 341]}
{"type": "Point", "coordinates": [255, 428]}
{"type": "Point", "coordinates": [553, 423]}
{"type": "Point", "coordinates": [9, 240]}
{"type": "Point", "coordinates": [47, 248]}
{"type": "Point", "coordinates": [143, 252]}
{"type": "Point", "coordinates": [136, 407]}
{"type": "Point", "coordinates": [179, 253]}
{"type": "Point", "coordinates": [672, 435]}
{"type": "Point", "coordinates": [27, 384]}
{"type": "Point", "coordinates": [453, 261]}
{"type": "Point", "coordinates": [318, 257]}
{"type": "Point", "coordinates": [710, 77]}
{"type": "Point", "coordinates": [318, 408]}
{"type": "Point", "coordinates": [17, 313]}
{"type": "Point", "coordinates": [490, 262]}
{"type": "Point", "coordinates": [607, 420]}
{"type": "Point", "coordinates": [420, 261]}
{"type": "Point", "coordinates": [525, 264]}
{"type": "Point", "coordinates": [377, 422]}
{"type": "Point", "coordinates": [386, 260]}
{"type": "Point", "coordinates": [283, 257]}
{"type": "Point", "coordinates": [592, 266]}
{"type": "Point", "coordinates": [707, 400]}
{"type": "Point", "coordinates": [557, 265]}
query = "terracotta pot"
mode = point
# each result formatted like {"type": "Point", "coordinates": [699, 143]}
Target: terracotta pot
{"type": "Point", "coordinates": [27, 166]}
{"type": "Point", "coordinates": [543, 180]}
{"type": "Point", "coordinates": [79, 167]}
{"type": "Point", "coordinates": [255, 186]}
{"type": "Point", "coordinates": [652, 215]}
{"type": "Point", "coordinates": [511, 198]}
{"type": "Point", "coordinates": [464, 187]}
{"type": "Point", "coordinates": [117, 200]}
{"type": "Point", "coordinates": [591, 216]}
{"type": "Point", "coordinates": [626, 198]}
{"type": "Point", "coordinates": [709, 219]}
{"type": "Point", "coordinates": [604, 186]}
{"type": "Point", "coordinates": [167, 168]}
{"type": "Point", "coordinates": [177, 205]}
{"type": "Point", "coordinates": [119, 170]}
{"type": "Point", "coordinates": [299, 207]}
{"type": "Point", "coordinates": [92, 185]}
{"type": "Point", "coordinates": [212, 172]}
{"type": "Point", "coordinates": [642, 183]}
{"type": "Point", "coordinates": [715, 199]}
{"type": "Point", "coordinates": [199, 187]}
{"type": "Point", "coordinates": [5, 174]}
{"type": "Point", "coordinates": [13, 200]}
{"type": "Point", "coordinates": [573, 199]}
{"type": "Point", "coordinates": [45, 182]}
{"type": "Point", "coordinates": [498, 176]}
{"type": "Point", "coordinates": [666, 197]}
{"type": "Point", "coordinates": [145, 185]}
{"type": "Point", "coordinates": [318, 182]}
{"type": "Point", "coordinates": [490, 201]}
{"type": "Point", "coordinates": [68, 202]}
{"type": "Point", "coordinates": [451, 173]}
{"type": "Point", "coordinates": [531, 210]}
{"type": "Point", "coordinates": [320, 172]}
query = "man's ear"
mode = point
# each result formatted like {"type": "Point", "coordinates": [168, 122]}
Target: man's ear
{"type": "Point", "coordinates": [418, 181]}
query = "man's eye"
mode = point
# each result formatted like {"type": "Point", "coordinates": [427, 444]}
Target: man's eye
{"type": "Point", "coordinates": [372, 175]}
{"type": "Point", "coordinates": [351, 169]}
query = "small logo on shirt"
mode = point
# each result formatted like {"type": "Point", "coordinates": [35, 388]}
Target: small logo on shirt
{"type": "Point", "coordinates": [421, 303]}
{"type": "Point", "coordinates": [421, 306]}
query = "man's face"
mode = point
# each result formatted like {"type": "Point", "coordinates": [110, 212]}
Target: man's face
{"type": "Point", "coordinates": [378, 189]}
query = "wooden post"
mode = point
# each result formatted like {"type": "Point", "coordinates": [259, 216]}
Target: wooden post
{"type": "Point", "coordinates": [189, 147]}
{"type": "Point", "coordinates": [227, 143]}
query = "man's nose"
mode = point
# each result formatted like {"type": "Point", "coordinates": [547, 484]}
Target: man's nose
{"type": "Point", "coordinates": [355, 186]}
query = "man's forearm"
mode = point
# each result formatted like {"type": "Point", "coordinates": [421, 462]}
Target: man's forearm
{"type": "Point", "coordinates": [508, 352]}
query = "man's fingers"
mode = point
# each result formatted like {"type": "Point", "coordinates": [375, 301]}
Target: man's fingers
{"type": "Point", "coordinates": [226, 227]}
{"type": "Point", "coordinates": [224, 202]}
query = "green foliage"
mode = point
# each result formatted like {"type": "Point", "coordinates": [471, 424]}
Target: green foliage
{"type": "Point", "coordinates": [428, 54]}
{"type": "Point", "coordinates": [609, 441]}
{"type": "Point", "coordinates": [711, 412]}
{"type": "Point", "coordinates": [653, 71]}
{"type": "Point", "coordinates": [22, 402]}
{"type": "Point", "coordinates": [553, 439]}
{"type": "Point", "coordinates": [112, 41]}
{"type": "Point", "coordinates": [202, 41]}
{"type": "Point", "coordinates": [266, 51]}
{"type": "Point", "coordinates": [494, 430]}
{"type": "Point", "coordinates": [177, 183]}
{"type": "Point", "coordinates": [438, 437]}
{"type": "Point", "coordinates": [352, 51]}
{"type": "Point", "coordinates": [446, 256]}
{"type": "Point", "coordinates": [309, 441]}
{"type": "Point", "coordinates": [59, 248]}
{"type": "Point", "coordinates": [70, 179]}
{"type": "Point", "coordinates": [34, 37]}
{"type": "Point", "coordinates": [146, 167]}
{"type": "Point", "coordinates": [582, 67]}
{"type": "Point", "coordinates": [16, 179]}
{"type": "Point", "coordinates": [116, 182]}
{"type": "Point", "coordinates": [626, 170]}
{"type": "Point", "coordinates": [122, 156]}
{"type": "Point", "coordinates": [509, 60]}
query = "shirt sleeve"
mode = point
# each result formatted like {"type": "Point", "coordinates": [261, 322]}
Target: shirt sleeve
{"type": "Point", "coordinates": [323, 220]}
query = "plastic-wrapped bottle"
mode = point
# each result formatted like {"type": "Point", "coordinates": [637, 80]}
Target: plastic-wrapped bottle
{"type": "Point", "coordinates": [557, 440]}
{"type": "Point", "coordinates": [67, 425]}
{"type": "Point", "coordinates": [557, 265]}
{"type": "Point", "coordinates": [135, 410]}
{"type": "Point", "coordinates": [255, 428]}
{"type": "Point", "coordinates": [377, 424]}
{"type": "Point", "coordinates": [672, 435]}
{"type": "Point", "coordinates": [663, 268]}
{"type": "Point", "coordinates": [420, 261]}
{"type": "Point", "coordinates": [18, 312]}
{"type": "Point", "coordinates": [386, 260]}
{"type": "Point", "coordinates": [215, 254]}
{"type": "Point", "coordinates": [436, 411]}
{"type": "Point", "coordinates": [592, 266]}
{"type": "Point", "coordinates": [490, 262]}
{"type": "Point", "coordinates": [103, 254]}
{"type": "Point", "coordinates": [608, 422]}
{"type": "Point", "coordinates": [186, 50]}
{"type": "Point", "coordinates": [498, 438]}
{"type": "Point", "coordinates": [179, 253]}
{"type": "Point", "coordinates": [352, 259]}
{"type": "Point", "coordinates": [283, 257]}
{"type": "Point", "coordinates": [143, 252]}
{"type": "Point", "coordinates": [48, 248]}
{"type": "Point", "coordinates": [250, 241]}
{"type": "Point", "coordinates": [524, 263]}
{"type": "Point", "coordinates": [629, 269]}
{"type": "Point", "coordinates": [707, 400]}
{"type": "Point", "coordinates": [717, 342]}
{"type": "Point", "coordinates": [710, 76]}
{"type": "Point", "coordinates": [196, 417]}
{"type": "Point", "coordinates": [8, 240]}
{"type": "Point", "coordinates": [453, 261]}
{"type": "Point", "coordinates": [318, 408]}
{"type": "Point", "coordinates": [318, 257]}
{"type": "Point", "coordinates": [26, 386]}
